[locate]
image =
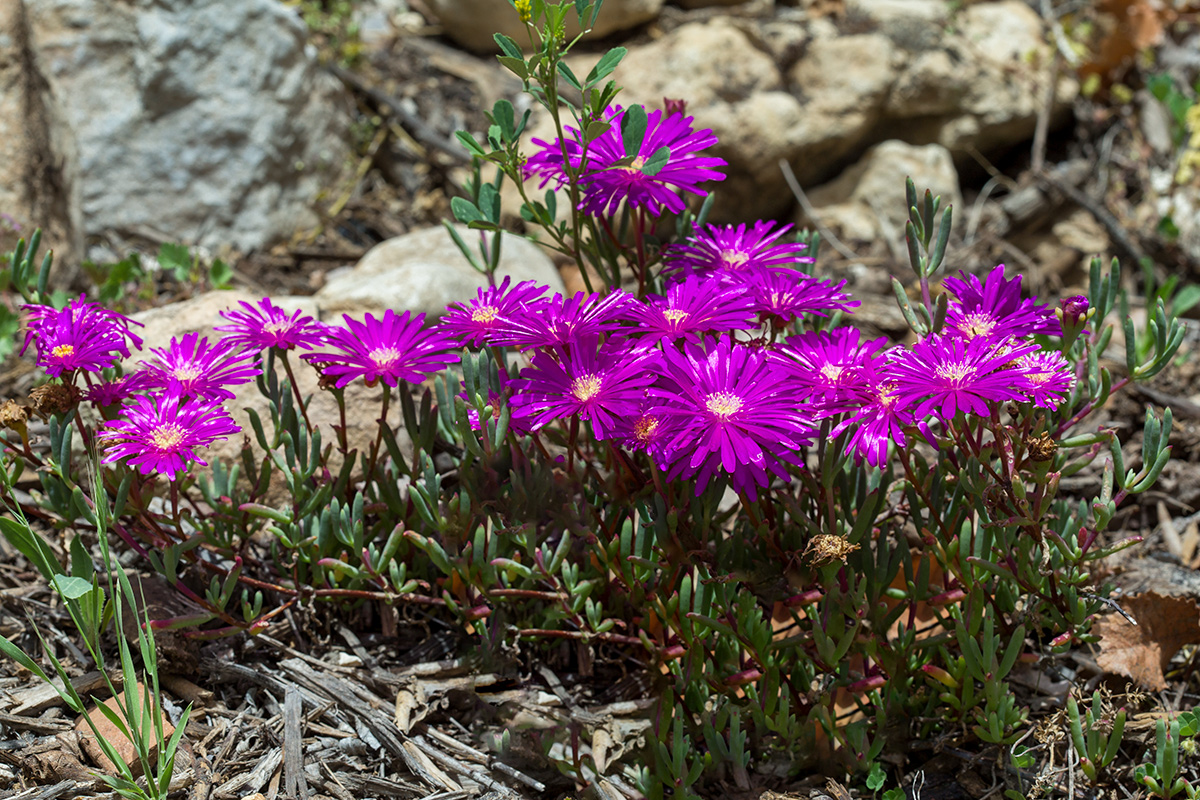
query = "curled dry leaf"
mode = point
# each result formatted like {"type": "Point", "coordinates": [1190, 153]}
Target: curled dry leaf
{"type": "Point", "coordinates": [1142, 651]}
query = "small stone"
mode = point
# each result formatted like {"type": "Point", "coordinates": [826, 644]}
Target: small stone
{"type": "Point", "coordinates": [124, 746]}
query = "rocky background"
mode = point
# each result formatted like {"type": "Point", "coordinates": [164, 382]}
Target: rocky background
{"type": "Point", "coordinates": [310, 144]}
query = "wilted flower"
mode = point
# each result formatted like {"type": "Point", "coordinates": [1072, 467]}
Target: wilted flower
{"type": "Point", "coordinates": [160, 433]}
{"type": "Point", "coordinates": [110, 393]}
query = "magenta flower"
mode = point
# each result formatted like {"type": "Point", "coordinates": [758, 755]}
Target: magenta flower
{"type": "Point", "coordinates": [947, 375]}
{"type": "Point", "coordinates": [832, 368]}
{"type": "Point", "coordinates": [110, 393]}
{"type": "Point", "coordinates": [879, 420]}
{"type": "Point", "coordinates": [732, 410]}
{"type": "Point", "coordinates": [994, 309]}
{"type": "Point", "coordinates": [555, 322]}
{"type": "Point", "coordinates": [735, 254]}
{"type": "Point", "coordinates": [264, 325]}
{"type": "Point", "coordinates": [80, 336]}
{"type": "Point", "coordinates": [649, 430]}
{"type": "Point", "coordinates": [602, 385]}
{"type": "Point", "coordinates": [479, 321]}
{"type": "Point", "coordinates": [200, 368]}
{"type": "Point", "coordinates": [160, 434]}
{"type": "Point", "coordinates": [691, 307]}
{"type": "Point", "coordinates": [783, 296]}
{"type": "Point", "coordinates": [610, 177]}
{"type": "Point", "coordinates": [1045, 377]}
{"type": "Point", "coordinates": [393, 349]}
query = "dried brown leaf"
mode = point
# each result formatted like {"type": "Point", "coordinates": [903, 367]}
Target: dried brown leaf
{"type": "Point", "coordinates": [1142, 651]}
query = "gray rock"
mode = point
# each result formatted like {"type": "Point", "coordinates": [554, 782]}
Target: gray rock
{"type": "Point", "coordinates": [205, 120]}
{"type": "Point", "coordinates": [423, 271]}
{"type": "Point", "coordinates": [867, 201]}
{"type": "Point", "coordinates": [472, 23]}
{"type": "Point", "coordinates": [38, 177]}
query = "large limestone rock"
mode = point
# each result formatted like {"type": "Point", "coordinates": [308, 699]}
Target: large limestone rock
{"type": "Point", "coordinates": [472, 23]}
{"type": "Point", "coordinates": [423, 271]}
{"type": "Point", "coordinates": [867, 201]}
{"type": "Point", "coordinates": [38, 180]}
{"type": "Point", "coordinates": [201, 314]}
{"type": "Point", "coordinates": [202, 121]}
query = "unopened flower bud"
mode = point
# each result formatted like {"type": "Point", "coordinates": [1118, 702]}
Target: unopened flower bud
{"type": "Point", "coordinates": [674, 106]}
{"type": "Point", "coordinates": [1073, 313]}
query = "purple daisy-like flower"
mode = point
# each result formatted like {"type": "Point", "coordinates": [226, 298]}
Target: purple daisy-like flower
{"type": "Point", "coordinates": [732, 410]}
{"type": "Point", "coordinates": [39, 317]}
{"type": "Point", "coordinates": [478, 322]}
{"type": "Point", "coordinates": [392, 349]}
{"type": "Point", "coordinates": [649, 430]}
{"type": "Point", "coordinates": [602, 385]}
{"type": "Point", "coordinates": [733, 253]}
{"type": "Point", "coordinates": [879, 420]}
{"type": "Point", "coordinates": [832, 368]}
{"type": "Point", "coordinates": [691, 307]}
{"type": "Point", "coordinates": [118, 390]}
{"type": "Point", "coordinates": [994, 309]}
{"type": "Point", "coordinates": [948, 374]}
{"type": "Point", "coordinates": [160, 433]}
{"type": "Point", "coordinates": [264, 325]}
{"type": "Point", "coordinates": [80, 336]}
{"type": "Point", "coordinates": [612, 177]}
{"type": "Point", "coordinates": [200, 368]}
{"type": "Point", "coordinates": [783, 296]}
{"type": "Point", "coordinates": [1045, 377]}
{"type": "Point", "coordinates": [555, 322]}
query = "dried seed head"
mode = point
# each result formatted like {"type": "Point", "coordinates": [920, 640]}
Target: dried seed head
{"type": "Point", "coordinates": [13, 415]}
{"type": "Point", "coordinates": [1041, 447]}
{"type": "Point", "coordinates": [51, 399]}
{"type": "Point", "coordinates": [827, 547]}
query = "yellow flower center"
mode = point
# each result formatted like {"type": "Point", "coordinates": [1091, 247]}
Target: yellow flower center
{"type": "Point", "coordinates": [832, 372]}
{"type": "Point", "coordinates": [585, 387]}
{"type": "Point", "coordinates": [956, 372]}
{"type": "Point", "coordinates": [167, 436]}
{"type": "Point", "coordinates": [644, 428]}
{"type": "Point", "coordinates": [64, 351]}
{"type": "Point", "coordinates": [277, 326]}
{"type": "Point", "coordinates": [187, 372]}
{"type": "Point", "coordinates": [734, 259]}
{"type": "Point", "coordinates": [723, 404]}
{"type": "Point", "coordinates": [886, 395]}
{"type": "Point", "coordinates": [485, 314]}
{"type": "Point", "coordinates": [978, 324]}
{"type": "Point", "coordinates": [384, 357]}
{"type": "Point", "coordinates": [675, 314]}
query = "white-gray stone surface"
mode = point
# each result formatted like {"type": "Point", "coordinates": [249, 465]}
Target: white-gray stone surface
{"type": "Point", "coordinates": [423, 271]}
{"type": "Point", "coordinates": [208, 121]}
